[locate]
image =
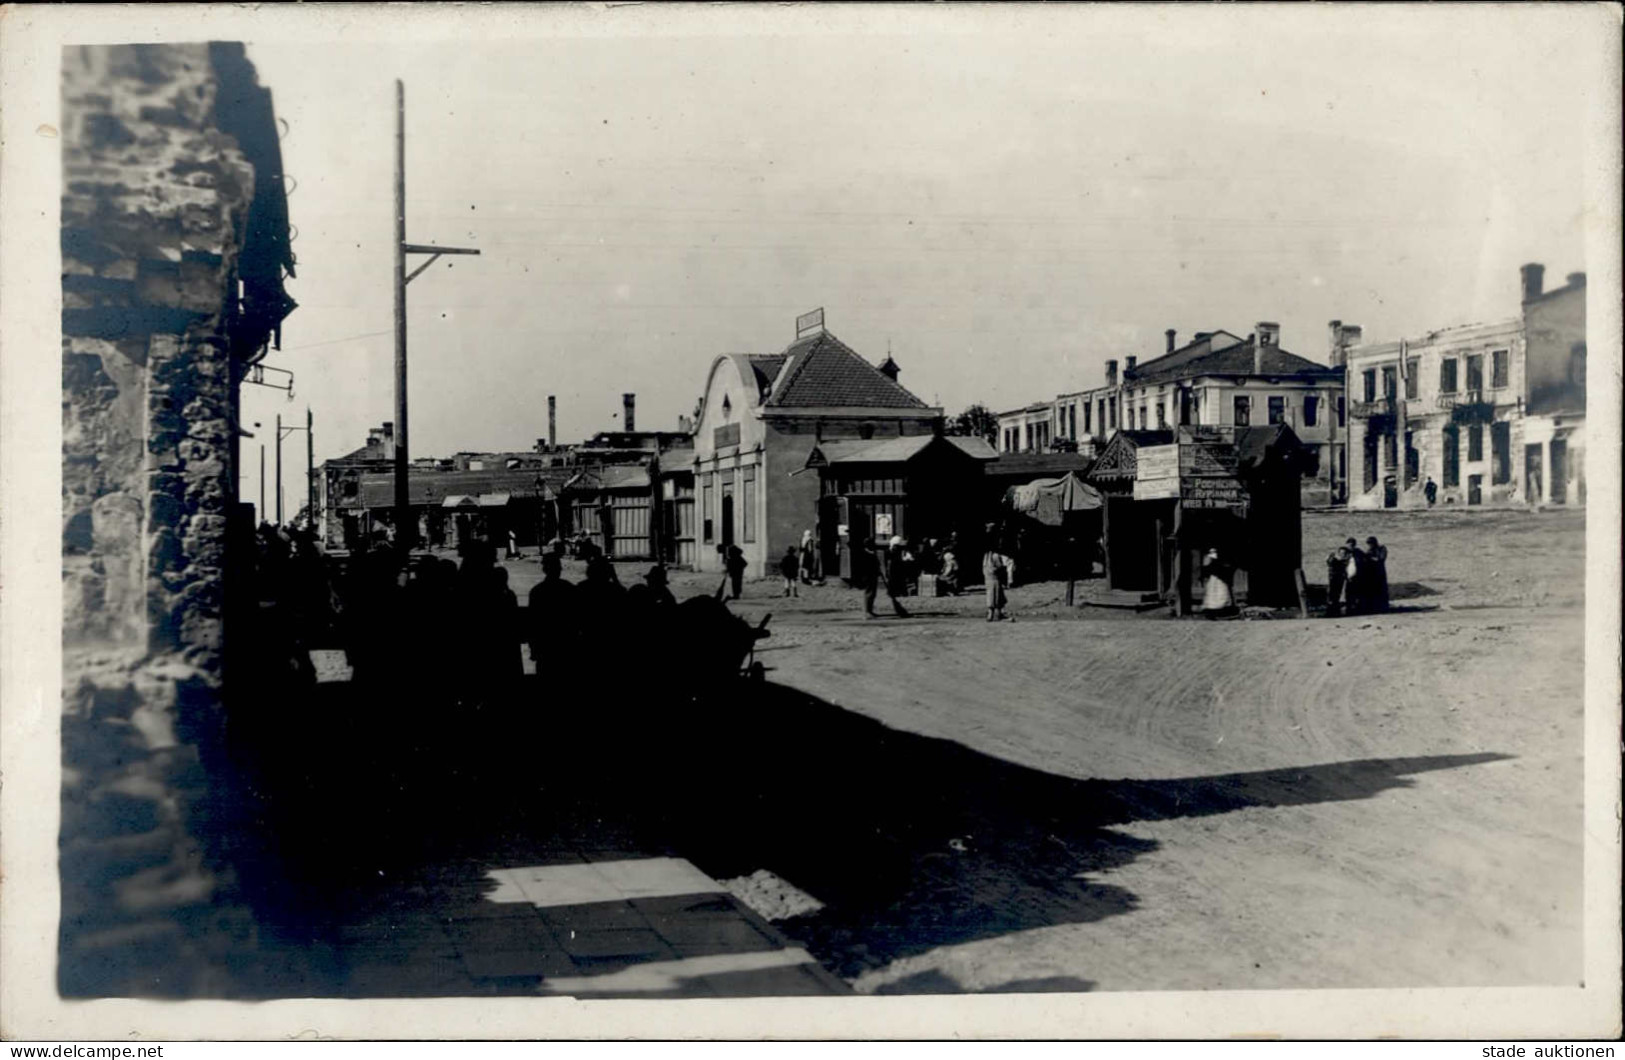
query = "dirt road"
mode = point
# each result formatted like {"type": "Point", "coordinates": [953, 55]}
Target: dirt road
{"type": "Point", "coordinates": [1372, 801]}
{"type": "Point", "coordinates": [1094, 799]}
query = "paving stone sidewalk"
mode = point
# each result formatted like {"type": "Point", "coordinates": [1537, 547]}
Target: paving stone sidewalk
{"type": "Point", "coordinates": [599, 923]}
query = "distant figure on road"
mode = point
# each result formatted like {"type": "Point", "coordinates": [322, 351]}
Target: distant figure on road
{"type": "Point", "coordinates": [513, 546]}
{"type": "Point", "coordinates": [948, 576]}
{"type": "Point", "coordinates": [1356, 578]}
{"type": "Point", "coordinates": [870, 575]}
{"type": "Point", "coordinates": [1216, 596]}
{"type": "Point", "coordinates": [734, 560]}
{"type": "Point", "coordinates": [1431, 491]}
{"type": "Point", "coordinates": [995, 576]}
{"type": "Point", "coordinates": [1377, 565]}
{"type": "Point", "coordinates": [897, 562]}
{"type": "Point", "coordinates": [1337, 575]}
{"type": "Point", "coordinates": [790, 567]}
{"type": "Point", "coordinates": [809, 558]}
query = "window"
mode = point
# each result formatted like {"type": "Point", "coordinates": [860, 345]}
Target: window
{"type": "Point", "coordinates": [709, 507]}
{"type": "Point", "coordinates": [1311, 410]}
{"type": "Point", "coordinates": [1342, 411]}
{"type": "Point", "coordinates": [1196, 410]}
{"type": "Point", "coordinates": [1498, 368]}
{"type": "Point", "coordinates": [1452, 456]}
{"type": "Point", "coordinates": [1447, 376]}
{"type": "Point", "coordinates": [1412, 367]}
{"type": "Point", "coordinates": [1475, 371]}
{"type": "Point", "coordinates": [1244, 407]}
{"type": "Point", "coordinates": [1145, 422]}
{"type": "Point", "coordinates": [748, 516]}
{"type": "Point", "coordinates": [1390, 451]}
{"type": "Point", "coordinates": [1577, 364]}
{"type": "Point", "coordinates": [1390, 381]}
{"type": "Point", "coordinates": [1369, 378]}
{"type": "Point", "coordinates": [1475, 443]}
{"type": "Point", "coordinates": [1413, 459]}
{"type": "Point", "coordinates": [1087, 429]}
{"type": "Point", "coordinates": [1277, 409]}
{"type": "Point", "coordinates": [1113, 406]}
{"type": "Point", "coordinates": [1500, 453]}
{"type": "Point", "coordinates": [1162, 416]}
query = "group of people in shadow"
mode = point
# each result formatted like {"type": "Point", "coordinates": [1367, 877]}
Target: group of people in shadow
{"type": "Point", "coordinates": [1356, 578]}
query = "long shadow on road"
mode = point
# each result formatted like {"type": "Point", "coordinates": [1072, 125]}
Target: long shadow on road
{"type": "Point", "coordinates": [913, 842]}
{"type": "Point", "coordinates": [909, 842]}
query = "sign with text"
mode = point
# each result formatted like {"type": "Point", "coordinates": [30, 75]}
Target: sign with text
{"type": "Point", "coordinates": [1156, 473]}
{"type": "Point", "coordinates": [1214, 493]}
{"type": "Point", "coordinates": [807, 321]}
{"type": "Point", "coordinates": [1207, 460]}
{"type": "Point", "coordinates": [725, 435]}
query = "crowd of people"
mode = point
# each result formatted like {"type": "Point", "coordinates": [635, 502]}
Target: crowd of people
{"type": "Point", "coordinates": [1356, 578]}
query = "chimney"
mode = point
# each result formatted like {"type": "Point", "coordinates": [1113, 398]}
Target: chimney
{"type": "Point", "coordinates": [1170, 334]}
{"type": "Point", "coordinates": [1336, 329]}
{"type": "Point", "coordinates": [628, 402]}
{"type": "Point", "coordinates": [552, 422]}
{"type": "Point", "coordinates": [389, 440]}
{"type": "Point", "coordinates": [1128, 365]}
{"type": "Point", "coordinates": [1269, 333]}
{"type": "Point", "coordinates": [1202, 336]}
{"type": "Point", "coordinates": [1577, 279]}
{"type": "Point", "coordinates": [1534, 279]}
{"type": "Point", "coordinates": [1111, 373]}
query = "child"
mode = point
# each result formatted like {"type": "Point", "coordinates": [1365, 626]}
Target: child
{"type": "Point", "coordinates": [790, 567]}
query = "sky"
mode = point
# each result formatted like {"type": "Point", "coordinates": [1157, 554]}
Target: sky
{"type": "Point", "coordinates": [1003, 204]}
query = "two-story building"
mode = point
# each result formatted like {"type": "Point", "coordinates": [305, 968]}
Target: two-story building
{"type": "Point", "coordinates": [759, 420]}
{"type": "Point", "coordinates": [1490, 413]}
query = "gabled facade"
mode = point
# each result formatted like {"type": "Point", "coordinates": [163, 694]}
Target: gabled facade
{"type": "Point", "coordinates": [759, 419]}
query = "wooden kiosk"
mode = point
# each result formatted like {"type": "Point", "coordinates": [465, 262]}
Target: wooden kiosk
{"type": "Point", "coordinates": [1173, 495]}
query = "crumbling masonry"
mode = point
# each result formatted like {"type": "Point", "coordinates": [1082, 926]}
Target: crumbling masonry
{"type": "Point", "coordinates": [174, 246]}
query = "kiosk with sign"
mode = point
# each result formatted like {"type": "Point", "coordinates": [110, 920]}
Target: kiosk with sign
{"type": "Point", "coordinates": [1173, 495]}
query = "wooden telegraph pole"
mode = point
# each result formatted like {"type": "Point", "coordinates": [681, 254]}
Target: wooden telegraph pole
{"type": "Point", "coordinates": [405, 527]}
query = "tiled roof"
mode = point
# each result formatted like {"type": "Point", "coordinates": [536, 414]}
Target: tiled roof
{"type": "Point", "coordinates": [896, 450]}
{"type": "Point", "coordinates": [826, 373]}
{"type": "Point", "coordinates": [766, 366]}
{"type": "Point", "coordinates": [1199, 358]}
{"type": "Point", "coordinates": [1038, 465]}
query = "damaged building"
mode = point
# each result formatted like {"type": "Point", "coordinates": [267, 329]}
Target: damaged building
{"type": "Point", "coordinates": [175, 244]}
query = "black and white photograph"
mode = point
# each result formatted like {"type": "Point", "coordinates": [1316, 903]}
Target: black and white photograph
{"type": "Point", "coordinates": [957, 520]}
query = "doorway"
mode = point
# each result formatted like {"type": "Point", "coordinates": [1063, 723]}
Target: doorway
{"type": "Point", "coordinates": [1531, 473]}
{"type": "Point", "coordinates": [1475, 489]}
{"type": "Point", "coordinates": [1559, 486]}
{"type": "Point", "coordinates": [727, 514]}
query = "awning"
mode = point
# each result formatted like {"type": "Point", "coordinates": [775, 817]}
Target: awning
{"type": "Point", "coordinates": [494, 500]}
{"type": "Point", "coordinates": [459, 501]}
{"type": "Point", "coordinates": [1047, 499]}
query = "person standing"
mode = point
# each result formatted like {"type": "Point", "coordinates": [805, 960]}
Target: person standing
{"type": "Point", "coordinates": [551, 613]}
{"type": "Point", "coordinates": [659, 590]}
{"type": "Point", "coordinates": [734, 561]}
{"type": "Point", "coordinates": [897, 564]}
{"type": "Point", "coordinates": [790, 567]}
{"type": "Point", "coordinates": [1337, 562]}
{"type": "Point", "coordinates": [1217, 598]}
{"type": "Point", "coordinates": [809, 558]}
{"type": "Point", "coordinates": [513, 545]}
{"type": "Point", "coordinates": [1355, 578]}
{"type": "Point", "coordinates": [1377, 567]}
{"type": "Point", "coordinates": [1431, 491]}
{"type": "Point", "coordinates": [995, 575]}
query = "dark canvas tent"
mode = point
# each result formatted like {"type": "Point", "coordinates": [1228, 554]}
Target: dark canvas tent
{"type": "Point", "coordinates": [1056, 523]}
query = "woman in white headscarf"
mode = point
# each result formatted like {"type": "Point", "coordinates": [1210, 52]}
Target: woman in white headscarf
{"type": "Point", "coordinates": [809, 558]}
{"type": "Point", "coordinates": [1216, 595]}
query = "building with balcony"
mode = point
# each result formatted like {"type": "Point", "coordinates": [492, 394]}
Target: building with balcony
{"type": "Point", "coordinates": [1490, 413]}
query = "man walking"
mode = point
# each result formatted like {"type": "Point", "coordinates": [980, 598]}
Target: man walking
{"type": "Point", "coordinates": [1337, 562]}
{"type": "Point", "coordinates": [734, 560]}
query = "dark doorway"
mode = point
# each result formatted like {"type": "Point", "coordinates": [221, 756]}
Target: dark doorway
{"type": "Point", "coordinates": [727, 515]}
{"type": "Point", "coordinates": [1475, 489]}
{"type": "Point", "coordinates": [1532, 460]}
{"type": "Point", "coordinates": [1559, 490]}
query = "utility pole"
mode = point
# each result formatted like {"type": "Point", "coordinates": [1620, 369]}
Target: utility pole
{"type": "Point", "coordinates": [262, 482]}
{"type": "Point", "coordinates": [281, 433]}
{"type": "Point", "coordinates": [405, 529]}
{"type": "Point", "coordinates": [310, 467]}
{"type": "Point", "coordinates": [279, 469]}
